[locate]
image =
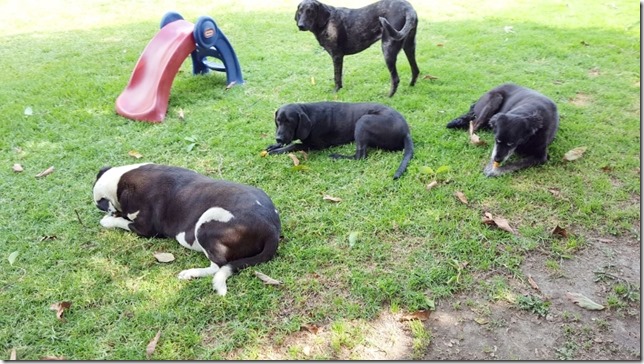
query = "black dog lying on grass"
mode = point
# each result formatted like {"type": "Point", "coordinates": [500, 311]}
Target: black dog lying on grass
{"type": "Point", "coordinates": [342, 32]}
{"type": "Point", "coordinates": [325, 124]}
{"type": "Point", "coordinates": [524, 121]}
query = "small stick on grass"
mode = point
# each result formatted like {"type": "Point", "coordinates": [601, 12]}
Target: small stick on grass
{"type": "Point", "coordinates": [79, 219]}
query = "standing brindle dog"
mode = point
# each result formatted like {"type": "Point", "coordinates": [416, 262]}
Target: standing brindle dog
{"type": "Point", "coordinates": [342, 31]}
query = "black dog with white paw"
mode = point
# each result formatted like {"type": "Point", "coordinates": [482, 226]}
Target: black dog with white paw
{"type": "Point", "coordinates": [523, 120]}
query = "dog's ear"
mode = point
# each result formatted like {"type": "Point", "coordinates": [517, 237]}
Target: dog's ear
{"type": "Point", "coordinates": [494, 120]}
{"type": "Point", "coordinates": [322, 14]}
{"type": "Point", "coordinates": [101, 171]}
{"type": "Point", "coordinates": [534, 123]}
{"type": "Point", "coordinates": [303, 126]}
{"type": "Point", "coordinates": [297, 12]}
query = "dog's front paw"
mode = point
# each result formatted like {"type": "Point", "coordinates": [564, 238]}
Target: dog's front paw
{"type": "Point", "coordinates": [273, 147]}
{"type": "Point", "coordinates": [491, 171]}
{"type": "Point", "coordinates": [188, 274]}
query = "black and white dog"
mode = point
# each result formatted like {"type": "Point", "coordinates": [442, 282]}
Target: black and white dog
{"type": "Point", "coordinates": [524, 121]}
{"type": "Point", "coordinates": [342, 32]}
{"type": "Point", "coordinates": [322, 125]}
{"type": "Point", "coordinates": [234, 225]}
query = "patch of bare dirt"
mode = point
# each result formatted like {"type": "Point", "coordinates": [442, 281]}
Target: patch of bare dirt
{"type": "Point", "coordinates": [581, 100]}
{"type": "Point", "coordinates": [467, 327]}
{"type": "Point", "coordinates": [385, 338]}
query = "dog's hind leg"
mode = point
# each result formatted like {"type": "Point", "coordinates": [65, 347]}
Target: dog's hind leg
{"type": "Point", "coordinates": [390, 49]}
{"type": "Point", "coordinates": [489, 104]}
{"type": "Point", "coordinates": [409, 46]}
{"type": "Point", "coordinates": [338, 60]}
{"type": "Point", "coordinates": [462, 121]}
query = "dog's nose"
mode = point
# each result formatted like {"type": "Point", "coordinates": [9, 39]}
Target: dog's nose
{"type": "Point", "coordinates": [301, 27]}
{"type": "Point", "coordinates": [279, 140]}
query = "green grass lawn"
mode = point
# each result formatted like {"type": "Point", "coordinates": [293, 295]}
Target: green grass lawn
{"type": "Point", "coordinates": [66, 62]}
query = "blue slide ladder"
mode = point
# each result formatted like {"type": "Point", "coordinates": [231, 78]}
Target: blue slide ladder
{"type": "Point", "coordinates": [210, 42]}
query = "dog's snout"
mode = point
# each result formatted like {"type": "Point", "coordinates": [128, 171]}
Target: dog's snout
{"type": "Point", "coordinates": [301, 26]}
{"type": "Point", "coordinates": [279, 139]}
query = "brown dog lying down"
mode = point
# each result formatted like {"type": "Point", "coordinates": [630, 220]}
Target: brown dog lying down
{"type": "Point", "coordinates": [342, 32]}
{"type": "Point", "coordinates": [234, 225]}
{"type": "Point", "coordinates": [524, 121]}
{"type": "Point", "coordinates": [322, 125]}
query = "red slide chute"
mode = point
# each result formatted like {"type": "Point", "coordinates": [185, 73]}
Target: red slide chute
{"type": "Point", "coordinates": [146, 96]}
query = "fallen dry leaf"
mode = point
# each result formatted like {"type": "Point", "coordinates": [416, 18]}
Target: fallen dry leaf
{"type": "Point", "coordinates": [331, 198]}
{"type": "Point", "coordinates": [149, 350]}
{"type": "Point", "coordinates": [607, 168]}
{"type": "Point", "coordinates": [164, 257]}
{"type": "Point", "coordinates": [17, 168]}
{"type": "Point", "coordinates": [533, 283]}
{"type": "Point", "coordinates": [558, 230]}
{"type": "Point", "coordinates": [46, 172]}
{"type": "Point", "coordinates": [481, 320]}
{"type": "Point", "coordinates": [60, 308]}
{"type": "Point", "coordinates": [584, 302]}
{"type": "Point", "coordinates": [263, 153]}
{"type": "Point", "coordinates": [431, 185]}
{"type": "Point", "coordinates": [555, 192]}
{"type": "Point", "coordinates": [182, 115]}
{"type": "Point", "coordinates": [230, 85]}
{"type": "Point", "coordinates": [574, 154]}
{"type": "Point", "coordinates": [439, 44]}
{"type": "Point", "coordinates": [602, 240]}
{"type": "Point", "coordinates": [12, 356]}
{"type": "Point", "coordinates": [135, 154]}
{"type": "Point", "coordinates": [421, 315]}
{"type": "Point", "coordinates": [53, 358]}
{"type": "Point", "coordinates": [312, 80]}
{"type": "Point", "coordinates": [266, 279]}
{"type": "Point", "coordinates": [461, 196]}
{"type": "Point", "coordinates": [296, 161]}
{"type": "Point", "coordinates": [430, 77]}
{"type": "Point", "coordinates": [498, 221]}
{"type": "Point", "coordinates": [312, 328]}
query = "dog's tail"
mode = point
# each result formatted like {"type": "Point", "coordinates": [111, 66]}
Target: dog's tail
{"type": "Point", "coordinates": [402, 33]}
{"type": "Point", "coordinates": [407, 154]}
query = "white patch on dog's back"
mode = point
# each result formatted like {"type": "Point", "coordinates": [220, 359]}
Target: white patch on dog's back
{"type": "Point", "coordinates": [212, 214]}
{"type": "Point", "coordinates": [259, 203]}
{"type": "Point", "coordinates": [216, 214]}
{"type": "Point", "coordinates": [181, 238]}
{"type": "Point", "coordinates": [107, 184]}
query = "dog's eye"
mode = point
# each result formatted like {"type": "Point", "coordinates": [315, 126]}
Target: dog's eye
{"type": "Point", "coordinates": [509, 144]}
